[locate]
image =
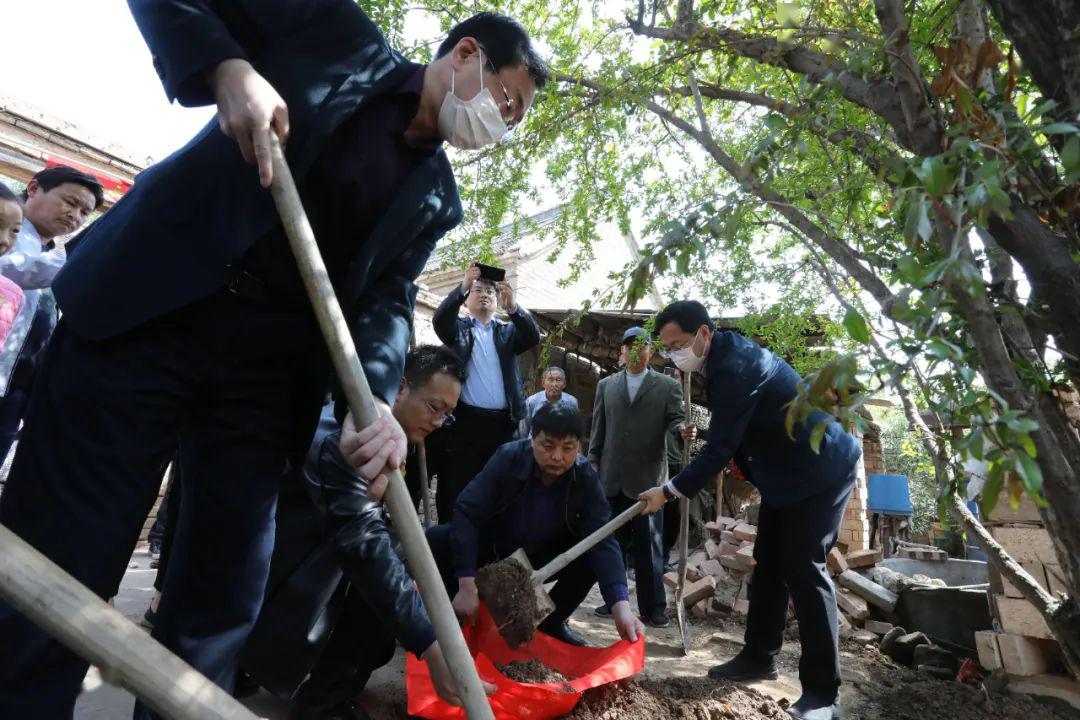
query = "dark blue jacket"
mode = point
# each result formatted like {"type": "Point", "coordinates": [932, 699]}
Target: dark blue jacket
{"type": "Point", "coordinates": [170, 239]}
{"type": "Point", "coordinates": [499, 487]}
{"type": "Point", "coordinates": [749, 389]}
{"type": "Point", "coordinates": [511, 339]}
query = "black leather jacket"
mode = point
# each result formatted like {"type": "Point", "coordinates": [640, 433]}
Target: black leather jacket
{"type": "Point", "coordinates": [329, 534]}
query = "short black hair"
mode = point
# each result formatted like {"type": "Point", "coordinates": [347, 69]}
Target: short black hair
{"type": "Point", "coordinates": [9, 195]}
{"type": "Point", "coordinates": [505, 42]}
{"type": "Point", "coordinates": [424, 362]}
{"type": "Point", "coordinates": [689, 315]}
{"type": "Point", "coordinates": [57, 175]}
{"type": "Point", "coordinates": [558, 420]}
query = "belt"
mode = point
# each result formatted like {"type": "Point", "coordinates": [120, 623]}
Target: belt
{"type": "Point", "coordinates": [247, 285]}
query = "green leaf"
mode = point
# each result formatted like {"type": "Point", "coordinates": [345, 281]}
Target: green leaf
{"type": "Point", "coordinates": [995, 479]}
{"type": "Point", "coordinates": [1070, 159]}
{"type": "Point", "coordinates": [937, 177]}
{"type": "Point", "coordinates": [856, 326]}
{"type": "Point", "coordinates": [917, 224]}
{"type": "Point", "coordinates": [1060, 128]}
{"type": "Point", "coordinates": [1029, 472]}
{"type": "Point", "coordinates": [909, 269]}
{"type": "Point", "coordinates": [817, 434]}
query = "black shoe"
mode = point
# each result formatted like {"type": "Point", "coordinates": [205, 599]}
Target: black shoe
{"type": "Point", "coordinates": [155, 563]}
{"type": "Point", "coordinates": [563, 632]}
{"type": "Point", "coordinates": [811, 707]}
{"type": "Point", "coordinates": [148, 619]}
{"type": "Point", "coordinates": [740, 669]}
{"type": "Point", "coordinates": [345, 710]}
{"type": "Point", "coordinates": [246, 685]}
{"type": "Point", "coordinates": [602, 611]}
{"type": "Point", "coordinates": [657, 618]}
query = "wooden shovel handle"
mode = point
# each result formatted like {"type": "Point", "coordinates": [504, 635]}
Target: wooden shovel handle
{"type": "Point", "coordinates": [364, 411]}
{"type": "Point", "coordinates": [569, 556]}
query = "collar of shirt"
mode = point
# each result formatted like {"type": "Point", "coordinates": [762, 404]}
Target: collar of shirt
{"type": "Point", "coordinates": [412, 85]}
{"type": "Point", "coordinates": [483, 326]}
{"type": "Point", "coordinates": [31, 237]}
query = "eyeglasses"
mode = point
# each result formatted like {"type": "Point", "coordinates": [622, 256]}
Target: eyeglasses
{"type": "Point", "coordinates": [666, 353]}
{"type": "Point", "coordinates": [506, 106]}
{"type": "Point", "coordinates": [436, 413]}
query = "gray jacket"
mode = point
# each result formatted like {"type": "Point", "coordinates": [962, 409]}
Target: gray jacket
{"type": "Point", "coordinates": [629, 439]}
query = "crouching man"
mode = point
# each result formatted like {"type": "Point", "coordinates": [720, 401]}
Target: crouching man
{"type": "Point", "coordinates": [340, 597]}
{"type": "Point", "coordinates": [539, 494]}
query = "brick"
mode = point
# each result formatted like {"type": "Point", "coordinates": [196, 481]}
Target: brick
{"type": "Point", "coordinates": [878, 627]}
{"type": "Point", "coordinates": [700, 609]}
{"type": "Point", "coordinates": [745, 556]}
{"type": "Point", "coordinates": [728, 549]}
{"type": "Point", "coordinates": [701, 590]}
{"type": "Point", "coordinates": [1006, 588]}
{"type": "Point", "coordinates": [1055, 581]}
{"type": "Point", "coordinates": [729, 537]}
{"type": "Point", "coordinates": [726, 523]}
{"type": "Point", "coordinates": [1004, 514]}
{"type": "Point", "coordinates": [742, 607]}
{"type": "Point", "coordinates": [712, 549]}
{"type": "Point", "coordinates": [836, 562]}
{"type": "Point", "coordinates": [1025, 544]}
{"type": "Point", "coordinates": [713, 567]}
{"type": "Point", "coordinates": [671, 580]}
{"type": "Point", "coordinates": [731, 562]}
{"type": "Point", "coordinates": [863, 558]}
{"type": "Point", "coordinates": [713, 528]}
{"type": "Point", "coordinates": [697, 557]}
{"type": "Point", "coordinates": [1027, 655]}
{"type": "Point", "coordinates": [1019, 617]}
{"type": "Point", "coordinates": [868, 590]}
{"type": "Point", "coordinates": [987, 647]}
{"type": "Point", "coordinates": [853, 605]}
{"type": "Point", "coordinates": [745, 532]}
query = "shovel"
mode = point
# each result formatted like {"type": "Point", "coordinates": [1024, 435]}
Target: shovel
{"type": "Point", "coordinates": [514, 593]}
{"type": "Point", "coordinates": [684, 530]}
{"type": "Point", "coordinates": [362, 405]}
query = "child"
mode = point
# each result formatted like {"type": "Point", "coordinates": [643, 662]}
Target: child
{"type": "Point", "coordinates": [11, 295]}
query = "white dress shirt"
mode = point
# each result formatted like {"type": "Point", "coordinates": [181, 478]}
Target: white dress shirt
{"type": "Point", "coordinates": [484, 386]}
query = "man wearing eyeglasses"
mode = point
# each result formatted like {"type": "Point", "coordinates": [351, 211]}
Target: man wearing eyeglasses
{"type": "Point", "coordinates": [492, 403]}
{"type": "Point", "coordinates": [339, 597]}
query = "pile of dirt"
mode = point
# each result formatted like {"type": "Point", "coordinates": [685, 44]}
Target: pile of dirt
{"type": "Point", "coordinates": [534, 671]}
{"type": "Point", "coordinates": [506, 589]}
{"type": "Point", "coordinates": [675, 699]}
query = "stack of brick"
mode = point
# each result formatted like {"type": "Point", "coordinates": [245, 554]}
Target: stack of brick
{"type": "Point", "coordinates": [718, 572]}
{"type": "Point", "coordinates": [855, 527]}
{"type": "Point", "coordinates": [1022, 646]}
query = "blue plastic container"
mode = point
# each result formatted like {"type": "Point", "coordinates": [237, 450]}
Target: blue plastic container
{"type": "Point", "coordinates": [889, 495]}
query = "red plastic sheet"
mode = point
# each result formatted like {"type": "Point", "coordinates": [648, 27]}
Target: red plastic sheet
{"type": "Point", "coordinates": [585, 667]}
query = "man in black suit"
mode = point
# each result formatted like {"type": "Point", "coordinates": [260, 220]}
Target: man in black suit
{"type": "Point", "coordinates": [492, 403]}
{"type": "Point", "coordinates": [185, 320]}
{"type": "Point", "coordinates": [803, 494]}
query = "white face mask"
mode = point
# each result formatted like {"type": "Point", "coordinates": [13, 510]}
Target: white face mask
{"type": "Point", "coordinates": [471, 124]}
{"type": "Point", "coordinates": [686, 359]}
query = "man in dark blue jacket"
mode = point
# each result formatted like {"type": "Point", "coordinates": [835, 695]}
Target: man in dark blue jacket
{"type": "Point", "coordinates": [492, 403]}
{"type": "Point", "coordinates": [803, 495]}
{"type": "Point", "coordinates": [542, 495]}
{"type": "Point", "coordinates": [185, 320]}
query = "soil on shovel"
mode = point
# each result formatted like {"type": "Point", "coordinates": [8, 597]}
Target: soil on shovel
{"type": "Point", "coordinates": [674, 699]}
{"type": "Point", "coordinates": [534, 671]}
{"type": "Point", "coordinates": [507, 590]}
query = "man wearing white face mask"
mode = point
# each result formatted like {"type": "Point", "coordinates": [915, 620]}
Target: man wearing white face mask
{"type": "Point", "coordinates": [221, 353]}
{"type": "Point", "coordinates": [803, 495]}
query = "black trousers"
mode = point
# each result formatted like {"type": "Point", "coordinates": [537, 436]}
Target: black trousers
{"type": "Point", "coordinates": [572, 583]}
{"type": "Point", "coordinates": [358, 646]}
{"type": "Point", "coordinates": [462, 450]}
{"type": "Point", "coordinates": [671, 519]}
{"type": "Point", "coordinates": [223, 378]}
{"type": "Point", "coordinates": [790, 550]}
{"type": "Point", "coordinates": [169, 517]}
{"type": "Point", "coordinates": [643, 539]}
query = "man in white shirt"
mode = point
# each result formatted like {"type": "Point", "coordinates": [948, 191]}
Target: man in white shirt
{"type": "Point", "coordinates": [554, 383]}
{"type": "Point", "coordinates": [57, 201]}
{"type": "Point", "coordinates": [491, 403]}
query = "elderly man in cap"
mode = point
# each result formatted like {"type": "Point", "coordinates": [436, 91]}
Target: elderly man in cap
{"type": "Point", "coordinates": [636, 410]}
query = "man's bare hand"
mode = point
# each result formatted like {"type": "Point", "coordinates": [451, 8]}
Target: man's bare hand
{"type": "Point", "coordinates": [470, 275]}
{"type": "Point", "coordinates": [467, 600]}
{"type": "Point", "coordinates": [506, 297]}
{"type": "Point", "coordinates": [249, 108]}
{"type": "Point", "coordinates": [654, 500]}
{"type": "Point", "coordinates": [377, 446]}
{"type": "Point", "coordinates": [689, 432]}
{"type": "Point", "coordinates": [445, 685]}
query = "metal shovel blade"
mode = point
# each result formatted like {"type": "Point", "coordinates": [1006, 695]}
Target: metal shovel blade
{"type": "Point", "coordinates": [516, 600]}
